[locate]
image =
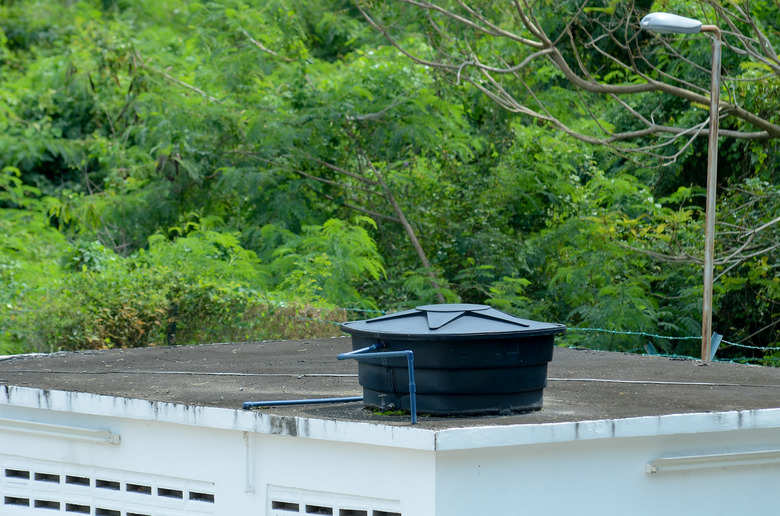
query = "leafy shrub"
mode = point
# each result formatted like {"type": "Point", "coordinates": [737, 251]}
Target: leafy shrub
{"type": "Point", "coordinates": [326, 262]}
{"type": "Point", "coordinates": [199, 288]}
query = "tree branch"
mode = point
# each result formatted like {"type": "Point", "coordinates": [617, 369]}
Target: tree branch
{"type": "Point", "coordinates": [145, 66]}
{"type": "Point", "coordinates": [266, 49]}
{"type": "Point", "coordinates": [407, 227]}
{"type": "Point", "coordinates": [621, 31]}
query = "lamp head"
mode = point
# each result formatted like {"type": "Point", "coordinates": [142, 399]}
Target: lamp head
{"type": "Point", "coordinates": [666, 23]}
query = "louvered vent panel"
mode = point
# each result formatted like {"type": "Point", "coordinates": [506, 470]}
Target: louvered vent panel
{"type": "Point", "coordinates": [39, 487]}
{"type": "Point", "coordinates": [288, 502]}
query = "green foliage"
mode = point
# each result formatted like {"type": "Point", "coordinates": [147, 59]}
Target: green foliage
{"type": "Point", "coordinates": [323, 264]}
{"type": "Point", "coordinates": [29, 250]}
{"type": "Point", "coordinates": [191, 172]}
{"type": "Point", "coordinates": [193, 289]}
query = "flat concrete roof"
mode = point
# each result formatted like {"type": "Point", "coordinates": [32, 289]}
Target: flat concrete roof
{"type": "Point", "coordinates": [583, 385]}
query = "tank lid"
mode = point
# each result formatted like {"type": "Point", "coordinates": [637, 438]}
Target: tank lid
{"type": "Point", "coordinates": [451, 321]}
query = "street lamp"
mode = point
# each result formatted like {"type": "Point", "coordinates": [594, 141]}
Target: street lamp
{"type": "Point", "coordinates": [665, 23]}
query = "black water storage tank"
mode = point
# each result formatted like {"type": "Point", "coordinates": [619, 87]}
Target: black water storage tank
{"type": "Point", "coordinates": [468, 360]}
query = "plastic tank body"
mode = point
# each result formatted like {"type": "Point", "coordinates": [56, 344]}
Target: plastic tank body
{"type": "Point", "coordinates": [468, 360]}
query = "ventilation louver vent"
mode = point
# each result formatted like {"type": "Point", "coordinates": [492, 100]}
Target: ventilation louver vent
{"type": "Point", "coordinates": [288, 502]}
{"type": "Point", "coordinates": [39, 487]}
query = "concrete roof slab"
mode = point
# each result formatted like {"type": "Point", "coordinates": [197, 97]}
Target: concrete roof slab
{"type": "Point", "coordinates": [583, 385]}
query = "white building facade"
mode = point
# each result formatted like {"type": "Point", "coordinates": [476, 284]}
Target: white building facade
{"type": "Point", "coordinates": [79, 453]}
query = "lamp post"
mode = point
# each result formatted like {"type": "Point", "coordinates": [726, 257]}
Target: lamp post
{"type": "Point", "coordinates": [665, 23]}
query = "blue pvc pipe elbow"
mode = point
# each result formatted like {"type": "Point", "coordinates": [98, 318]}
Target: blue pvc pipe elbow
{"type": "Point", "coordinates": [366, 353]}
{"type": "Point", "coordinates": [358, 354]}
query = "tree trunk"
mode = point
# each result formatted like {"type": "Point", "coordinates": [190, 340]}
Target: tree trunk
{"type": "Point", "coordinates": [408, 229]}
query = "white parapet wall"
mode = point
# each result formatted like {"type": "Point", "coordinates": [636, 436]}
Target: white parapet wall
{"type": "Point", "coordinates": [610, 476]}
{"type": "Point", "coordinates": [76, 453]}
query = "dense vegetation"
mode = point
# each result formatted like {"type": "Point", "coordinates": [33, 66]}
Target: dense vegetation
{"type": "Point", "coordinates": [196, 171]}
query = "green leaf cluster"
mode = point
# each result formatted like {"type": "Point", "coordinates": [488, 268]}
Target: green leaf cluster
{"type": "Point", "coordinates": [191, 172]}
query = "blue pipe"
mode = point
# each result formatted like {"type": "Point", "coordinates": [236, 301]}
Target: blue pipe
{"type": "Point", "coordinates": [358, 354]}
{"type": "Point", "coordinates": [373, 347]}
{"type": "Point", "coordinates": [277, 403]}
{"type": "Point", "coordinates": [250, 404]}
{"type": "Point", "coordinates": [364, 354]}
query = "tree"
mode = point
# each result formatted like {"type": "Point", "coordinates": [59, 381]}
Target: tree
{"type": "Point", "coordinates": [518, 52]}
{"type": "Point", "coordinates": [201, 164]}
{"type": "Point", "coordinates": [585, 68]}
{"type": "Point", "coordinates": [362, 130]}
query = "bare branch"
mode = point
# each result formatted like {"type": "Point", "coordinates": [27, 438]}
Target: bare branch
{"type": "Point", "coordinates": [530, 22]}
{"type": "Point", "coordinates": [325, 181]}
{"type": "Point", "coordinates": [340, 170]}
{"type": "Point", "coordinates": [742, 258]}
{"type": "Point", "coordinates": [264, 48]}
{"type": "Point", "coordinates": [669, 258]}
{"type": "Point", "coordinates": [565, 51]}
{"type": "Point", "coordinates": [146, 66]}
{"type": "Point", "coordinates": [361, 209]}
{"type": "Point", "coordinates": [416, 59]}
{"type": "Point", "coordinates": [379, 114]}
{"type": "Point", "coordinates": [509, 68]}
{"type": "Point", "coordinates": [770, 325]}
{"type": "Point", "coordinates": [491, 29]}
{"type": "Point", "coordinates": [407, 227]}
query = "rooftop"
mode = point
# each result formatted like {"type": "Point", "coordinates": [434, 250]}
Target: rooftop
{"type": "Point", "coordinates": [583, 385]}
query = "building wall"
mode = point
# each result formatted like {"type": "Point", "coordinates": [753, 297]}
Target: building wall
{"type": "Point", "coordinates": [378, 480]}
{"type": "Point", "coordinates": [609, 477]}
{"type": "Point", "coordinates": [105, 456]}
{"type": "Point", "coordinates": [165, 469]}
